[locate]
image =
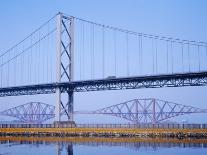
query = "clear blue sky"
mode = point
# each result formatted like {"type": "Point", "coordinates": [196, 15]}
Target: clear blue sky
{"type": "Point", "coordinates": [174, 18]}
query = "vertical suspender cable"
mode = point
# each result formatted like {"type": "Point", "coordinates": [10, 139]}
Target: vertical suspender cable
{"type": "Point", "coordinates": [103, 50]}
{"type": "Point", "coordinates": [43, 61]}
{"type": "Point", "coordinates": [182, 57]}
{"type": "Point", "coordinates": [15, 66]}
{"type": "Point", "coordinates": [189, 56]}
{"type": "Point", "coordinates": [47, 51]}
{"type": "Point", "coordinates": [153, 61]}
{"type": "Point", "coordinates": [33, 65]}
{"type": "Point", "coordinates": [127, 53]}
{"type": "Point", "coordinates": [36, 65]}
{"type": "Point", "coordinates": [31, 69]}
{"type": "Point", "coordinates": [52, 73]}
{"type": "Point", "coordinates": [80, 50]}
{"type": "Point", "coordinates": [39, 60]}
{"type": "Point", "coordinates": [92, 51]}
{"type": "Point", "coordinates": [167, 57]}
{"type": "Point", "coordinates": [141, 54]}
{"type": "Point", "coordinates": [206, 51]}
{"type": "Point", "coordinates": [83, 50]}
{"type": "Point", "coordinates": [93, 54]}
{"type": "Point", "coordinates": [172, 55]}
{"type": "Point", "coordinates": [156, 55]}
{"type": "Point", "coordinates": [8, 71]}
{"type": "Point", "coordinates": [22, 68]}
{"type": "Point", "coordinates": [115, 52]}
{"type": "Point", "coordinates": [1, 70]}
{"type": "Point", "coordinates": [199, 67]}
{"type": "Point", "coordinates": [29, 62]}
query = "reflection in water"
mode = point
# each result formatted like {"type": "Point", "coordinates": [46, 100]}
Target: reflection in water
{"type": "Point", "coordinates": [67, 143]}
{"type": "Point", "coordinates": [69, 148]}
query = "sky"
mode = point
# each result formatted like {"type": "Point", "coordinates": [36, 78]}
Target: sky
{"type": "Point", "coordinates": [172, 18]}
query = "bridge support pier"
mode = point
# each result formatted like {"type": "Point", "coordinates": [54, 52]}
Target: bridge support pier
{"type": "Point", "coordinates": [64, 65]}
{"type": "Point", "coordinates": [70, 106]}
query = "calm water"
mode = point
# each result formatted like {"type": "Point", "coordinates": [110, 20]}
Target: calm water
{"type": "Point", "coordinates": [100, 147]}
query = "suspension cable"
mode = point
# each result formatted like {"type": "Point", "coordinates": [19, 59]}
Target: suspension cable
{"type": "Point", "coordinates": [28, 36]}
{"type": "Point", "coordinates": [174, 40]}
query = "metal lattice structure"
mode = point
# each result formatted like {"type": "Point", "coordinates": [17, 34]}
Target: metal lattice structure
{"type": "Point", "coordinates": [150, 81]}
{"type": "Point", "coordinates": [148, 110]}
{"type": "Point", "coordinates": [137, 111]}
{"type": "Point", "coordinates": [68, 54]}
{"type": "Point", "coordinates": [32, 112]}
{"type": "Point", "coordinates": [64, 66]}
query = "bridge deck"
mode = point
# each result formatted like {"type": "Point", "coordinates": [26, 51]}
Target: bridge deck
{"type": "Point", "coordinates": [149, 81]}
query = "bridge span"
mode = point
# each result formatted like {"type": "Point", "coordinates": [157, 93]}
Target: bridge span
{"type": "Point", "coordinates": [68, 54]}
{"type": "Point", "coordinates": [148, 81]}
{"type": "Point", "coordinates": [137, 111]}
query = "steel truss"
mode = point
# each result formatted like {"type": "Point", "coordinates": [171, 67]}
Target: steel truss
{"type": "Point", "coordinates": [137, 111]}
{"type": "Point", "coordinates": [156, 81]}
{"type": "Point", "coordinates": [33, 112]}
{"type": "Point", "coordinates": [148, 110]}
{"type": "Point", "coordinates": [64, 66]}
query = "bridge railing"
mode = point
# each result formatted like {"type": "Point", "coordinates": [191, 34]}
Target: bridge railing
{"type": "Point", "coordinates": [142, 126]}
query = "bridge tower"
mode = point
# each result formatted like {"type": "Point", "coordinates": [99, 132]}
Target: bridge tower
{"type": "Point", "coordinates": [64, 65]}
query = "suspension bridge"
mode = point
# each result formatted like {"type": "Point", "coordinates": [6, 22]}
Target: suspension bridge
{"type": "Point", "coordinates": [69, 54]}
{"type": "Point", "coordinates": [137, 111]}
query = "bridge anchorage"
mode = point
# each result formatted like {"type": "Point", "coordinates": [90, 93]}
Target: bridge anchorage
{"type": "Point", "coordinates": [137, 111]}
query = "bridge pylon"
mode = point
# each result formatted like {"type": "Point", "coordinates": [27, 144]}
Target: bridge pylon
{"type": "Point", "coordinates": [64, 65]}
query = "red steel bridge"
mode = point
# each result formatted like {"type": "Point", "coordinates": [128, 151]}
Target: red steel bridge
{"type": "Point", "coordinates": [68, 54]}
{"type": "Point", "coordinates": [136, 111]}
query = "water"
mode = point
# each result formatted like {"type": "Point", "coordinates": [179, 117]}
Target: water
{"type": "Point", "coordinates": [100, 146]}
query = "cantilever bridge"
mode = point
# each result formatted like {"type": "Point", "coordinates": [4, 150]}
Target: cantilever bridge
{"type": "Point", "coordinates": [68, 54]}
{"type": "Point", "coordinates": [137, 111]}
